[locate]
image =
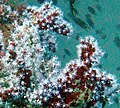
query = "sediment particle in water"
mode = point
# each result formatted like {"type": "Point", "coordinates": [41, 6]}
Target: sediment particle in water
{"type": "Point", "coordinates": [77, 37]}
{"type": "Point", "coordinates": [106, 55]}
{"type": "Point", "coordinates": [98, 7]}
{"type": "Point", "coordinates": [40, 1]}
{"type": "Point", "coordinates": [117, 27]}
{"type": "Point", "coordinates": [118, 68]}
{"type": "Point", "coordinates": [67, 51]}
{"type": "Point", "coordinates": [81, 23]}
{"type": "Point", "coordinates": [91, 10]}
{"type": "Point", "coordinates": [89, 20]}
{"type": "Point", "coordinates": [117, 42]}
{"type": "Point", "coordinates": [64, 56]}
{"type": "Point", "coordinates": [100, 66]}
{"type": "Point", "coordinates": [101, 33]}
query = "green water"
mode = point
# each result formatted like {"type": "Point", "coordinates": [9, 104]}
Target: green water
{"type": "Point", "coordinates": [106, 19]}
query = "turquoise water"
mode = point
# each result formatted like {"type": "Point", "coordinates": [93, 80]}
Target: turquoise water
{"type": "Point", "coordinates": [106, 30]}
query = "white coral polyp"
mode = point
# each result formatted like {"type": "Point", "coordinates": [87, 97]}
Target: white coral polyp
{"type": "Point", "coordinates": [25, 42]}
{"type": "Point", "coordinates": [95, 58]}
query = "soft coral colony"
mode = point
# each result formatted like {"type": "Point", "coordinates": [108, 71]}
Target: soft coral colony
{"type": "Point", "coordinates": [30, 75]}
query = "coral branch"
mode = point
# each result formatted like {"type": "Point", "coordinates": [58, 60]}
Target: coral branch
{"type": "Point", "coordinates": [49, 17]}
{"type": "Point", "coordinates": [82, 84]}
{"type": "Point", "coordinates": [89, 52]}
{"type": "Point", "coordinates": [31, 75]}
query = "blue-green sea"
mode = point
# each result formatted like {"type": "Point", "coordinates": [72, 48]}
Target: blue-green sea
{"type": "Point", "coordinates": [105, 15]}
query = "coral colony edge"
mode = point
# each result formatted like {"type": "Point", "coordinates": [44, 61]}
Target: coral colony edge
{"type": "Point", "coordinates": [30, 76]}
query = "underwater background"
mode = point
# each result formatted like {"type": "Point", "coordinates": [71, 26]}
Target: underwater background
{"type": "Point", "coordinates": [103, 20]}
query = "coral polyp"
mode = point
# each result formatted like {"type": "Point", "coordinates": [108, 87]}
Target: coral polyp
{"type": "Point", "coordinates": [49, 17]}
{"type": "Point", "coordinates": [29, 73]}
{"type": "Point", "coordinates": [80, 82]}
